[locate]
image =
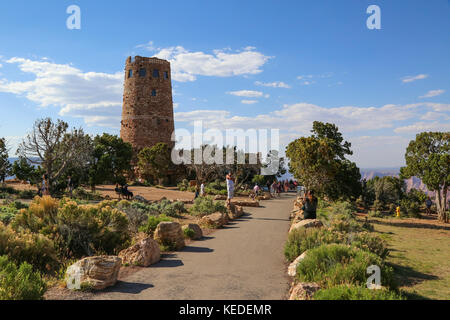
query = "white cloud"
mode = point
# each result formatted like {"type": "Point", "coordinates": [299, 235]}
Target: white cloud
{"type": "Point", "coordinates": [247, 93]}
{"type": "Point", "coordinates": [275, 84]}
{"type": "Point", "coordinates": [79, 94]}
{"type": "Point", "coordinates": [435, 116]}
{"type": "Point", "coordinates": [414, 78]}
{"type": "Point", "coordinates": [433, 93]}
{"type": "Point", "coordinates": [307, 83]}
{"type": "Point", "coordinates": [249, 101]}
{"type": "Point", "coordinates": [176, 105]}
{"type": "Point", "coordinates": [424, 127]}
{"type": "Point", "coordinates": [187, 65]}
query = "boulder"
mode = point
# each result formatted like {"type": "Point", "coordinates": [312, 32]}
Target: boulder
{"type": "Point", "coordinates": [246, 203]}
{"type": "Point", "coordinates": [144, 253]}
{"type": "Point", "coordinates": [215, 220]}
{"type": "Point", "coordinates": [303, 290]}
{"type": "Point", "coordinates": [307, 223]}
{"type": "Point", "coordinates": [170, 232]}
{"type": "Point", "coordinates": [97, 272]}
{"type": "Point", "coordinates": [220, 197]}
{"type": "Point", "coordinates": [198, 231]}
{"type": "Point", "coordinates": [292, 269]}
{"type": "Point", "coordinates": [141, 199]}
{"type": "Point", "coordinates": [234, 212]}
{"type": "Point", "coordinates": [265, 196]}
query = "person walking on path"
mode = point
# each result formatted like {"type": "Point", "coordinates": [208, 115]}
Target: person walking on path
{"type": "Point", "coordinates": [202, 189]}
{"type": "Point", "coordinates": [45, 188]}
{"type": "Point", "coordinates": [69, 185]}
{"type": "Point", "coordinates": [230, 187]}
{"type": "Point", "coordinates": [310, 206]}
{"type": "Point", "coordinates": [428, 203]}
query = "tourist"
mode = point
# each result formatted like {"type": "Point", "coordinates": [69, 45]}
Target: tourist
{"type": "Point", "coordinates": [230, 187]}
{"type": "Point", "coordinates": [69, 185]}
{"type": "Point", "coordinates": [45, 189]}
{"type": "Point", "coordinates": [202, 189]}
{"type": "Point", "coordinates": [196, 192]}
{"type": "Point", "coordinates": [310, 206]}
{"type": "Point", "coordinates": [256, 190]}
{"type": "Point", "coordinates": [428, 203]}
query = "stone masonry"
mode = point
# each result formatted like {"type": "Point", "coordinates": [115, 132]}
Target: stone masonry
{"type": "Point", "coordinates": [147, 113]}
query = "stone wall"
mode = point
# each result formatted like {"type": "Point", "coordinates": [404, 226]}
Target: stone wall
{"type": "Point", "coordinates": [147, 119]}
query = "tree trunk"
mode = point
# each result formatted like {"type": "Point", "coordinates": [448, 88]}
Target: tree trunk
{"type": "Point", "coordinates": [441, 205]}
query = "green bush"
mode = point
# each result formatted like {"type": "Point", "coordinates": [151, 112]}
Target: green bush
{"type": "Point", "coordinates": [20, 283]}
{"type": "Point", "coordinates": [189, 233]}
{"type": "Point", "coordinates": [304, 239]}
{"type": "Point", "coordinates": [8, 190]}
{"type": "Point", "coordinates": [206, 205]}
{"type": "Point", "coordinates": [36, 249]}
{"type": "Point", "coordinates": [335, 264]}
{"type": "Point", "coordinates": [344, 223]}
{"type": "Point", "coordinates": [375, 214]}
{"type": "Point", "coordinates": [26, 194]}
{"type": "Point", "coordinates": [410, 208]}
{"type": "Point", "coordinates": [152, 223]}
{"type": "Point", "coordinates": [345, 292]}
{"type": "Point", "coordinates": [378, 205]}
{"type": "Point", "coordinates": [77, 230]}
{"type": "Point", "coordinates": [81, 193]}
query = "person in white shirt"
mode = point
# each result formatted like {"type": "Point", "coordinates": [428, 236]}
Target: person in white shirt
{"type": "Point", "coordinates": [230, 187]}
{"type": "Point", "coordinates": [202, 189]}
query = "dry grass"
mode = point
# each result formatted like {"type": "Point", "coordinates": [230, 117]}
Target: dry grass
{"type": "Point", "coordinates": [420, 255]}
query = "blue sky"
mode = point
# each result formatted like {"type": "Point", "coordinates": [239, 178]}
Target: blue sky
{"type": "Point", "coordinates": [236, 64]}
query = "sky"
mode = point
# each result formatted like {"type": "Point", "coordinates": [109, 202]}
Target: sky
{"type": "Point", "coordinates": [236, 64]}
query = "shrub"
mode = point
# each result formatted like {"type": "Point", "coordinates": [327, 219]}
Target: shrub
{"type": "Point", "coordinates": [378, 205]}
{"type": "Point", "coordinates": [206, 205]}
{"type": "Point", "coordinates": [35, 249]}
{"type": "Point", "coordinates": [152, 223]}
{"type": "Point", "coordinates": [375, 214]}
{"type": "Point", "coordinates": [335, 264]}
{"type": "Point", "coordinates": [26, 194]}
{"type": "Point", "coordinates": [410, 208]}
{"type": "Point", "coordinates": [345, 292]}
{"type": "Point", "coordinates": [189, 233]}
{"type": "Point", "coordinates": [8, 190]}
{"type": "Point", "coordinates": [81, 193]}
{"type": "Point", "coordinates": [344, 223]}
{"type": "Point", "coordinates": [77, 230]}
{"type": "Point", "coordinates": [304, 239]}
{"type": "Point", "coordinates": [20, 283]}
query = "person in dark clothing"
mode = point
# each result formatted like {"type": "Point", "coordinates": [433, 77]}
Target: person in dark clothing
{"type": "Point", "coordinates": [310, 206]}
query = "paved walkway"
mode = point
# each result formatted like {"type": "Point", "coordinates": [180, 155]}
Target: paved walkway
{"type": "Point", "coordinates": [242, 261]}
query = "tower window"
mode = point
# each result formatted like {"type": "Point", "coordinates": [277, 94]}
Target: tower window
{"type": "Point", "coordinates": [166, 75]}
{"type": "Point", "coordinates": [130, 73]}
{"type": "Point", "coordinates": [156, 73]}
{"type": "Point", "coordinates": [153, 93]}
{"type": "Point", "coordinates": [142, 72]}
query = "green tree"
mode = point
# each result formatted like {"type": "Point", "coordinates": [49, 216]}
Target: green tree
{"type": "Point", "coordinates": [318, 162]}
{"type": "Point", "coordinates": [5, 165]}
{"type": "Point", "coordinates": [50, 145]}
{"type": "Point", "coordinates": [428, 158]}
{"type": "Point", "coordinates": [154, 162]}
{"type": "Point", "coordinates": [111, 160]}
{"type": "Point", "coordinates": [24, 171]}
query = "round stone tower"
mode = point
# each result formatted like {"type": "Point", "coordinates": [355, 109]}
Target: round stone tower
{"type": "Point", "coordinates": [147, 112]}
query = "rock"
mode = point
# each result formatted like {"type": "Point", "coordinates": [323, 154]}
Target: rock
{"type": "Point", "coordinates": [292, 269]}
{"type": "Point", "coordinates": [141, 199]}
{"type": "Point", "coordinates": [246, 203]}
{"type": "Point", "coordinates": [234, 212]}
{"type": "Point", "coordinates": [308, 223]}
{"type": "Point", "coordinates": [220, 197]}
{"type": "Point", "coordinates": [265, 196]}
{"type": "Point", "coordinates": [215, 220]}
{"type": "Point", "coordinates": [97, 272]}
{"type": "Point", "coordinates": [198, 231]}
{"type": "Point", "coordinates": [144, 253]}
{"type": "Point", "coordinates": [170, 232]}
{"type": "Point", "coordinates": [303, 290]}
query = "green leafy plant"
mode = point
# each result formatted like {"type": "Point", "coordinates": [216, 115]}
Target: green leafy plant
{"type": "Point", "coordinates": [153, 222]}
{"type": "Point", "coordinates": [352, 292]}
{"type": "Point", "coordinates": [189, 233]}
{"type": "Point", "coordinates": [206, 205]}
{"type": "Point", "coordinates": [20, 283]}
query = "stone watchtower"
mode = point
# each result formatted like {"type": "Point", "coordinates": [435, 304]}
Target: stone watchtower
{"type": "Point", "coordinates": [147, 112]}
